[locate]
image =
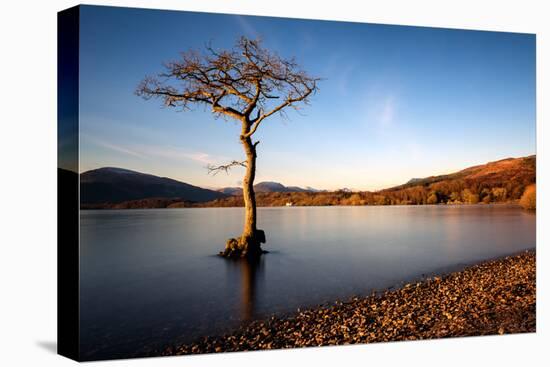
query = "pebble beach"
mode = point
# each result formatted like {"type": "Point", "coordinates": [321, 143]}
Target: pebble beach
{"type": "Point", "coordinates": [493, 297]}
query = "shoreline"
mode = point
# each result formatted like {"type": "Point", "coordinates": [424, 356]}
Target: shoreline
{"type": "Point", "coordinates": [86, 207]}
{"type": "Point", "coordinates": [495, 296]}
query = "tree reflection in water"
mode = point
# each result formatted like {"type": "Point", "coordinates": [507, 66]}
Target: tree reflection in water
{"type": "Point", "coordinates": [251, 273]}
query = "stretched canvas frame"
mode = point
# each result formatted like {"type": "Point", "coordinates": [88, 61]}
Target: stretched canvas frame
{"type": "Point", "coordinates": [492, 191]}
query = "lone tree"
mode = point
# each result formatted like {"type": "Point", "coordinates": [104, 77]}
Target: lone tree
{"type": "Point", "coordinates": [248, 84]}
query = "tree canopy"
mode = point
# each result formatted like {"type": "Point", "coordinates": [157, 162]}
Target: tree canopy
{"type": "Point", "coordinates": [248, 83]}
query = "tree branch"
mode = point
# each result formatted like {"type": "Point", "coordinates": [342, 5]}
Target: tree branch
{"type": "Point", "coordinates": [288, 102]}
{"type": "Point", "coordinates": [214, 170]}
{"type": "Point", "coordinates": [226, 110]}
{"type": "Point", "coordinates": [233, 83]}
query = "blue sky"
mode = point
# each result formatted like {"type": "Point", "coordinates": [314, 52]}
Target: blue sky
{"type": "Point", "coordinates": [395, 102]}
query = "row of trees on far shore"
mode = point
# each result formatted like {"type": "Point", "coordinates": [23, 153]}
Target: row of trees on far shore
{"type": "Point", "coordinates": [505, 181]}
{"type": "Point", "coordinates": [418, 195]}
{"type": "Point", "coordinates": [455, 192]}
{"type": "Point", "coordinates": [529, 198]}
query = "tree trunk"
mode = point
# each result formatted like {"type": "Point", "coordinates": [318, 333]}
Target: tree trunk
{"type": "Point", "coordinates": [249, 196]}
{"type": "Point", "coordinates": [249, 244]}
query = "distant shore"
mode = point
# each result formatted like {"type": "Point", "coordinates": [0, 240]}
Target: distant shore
{"type": "Point", "coordinates": [501, 181]}
{"type": "Point", "coordinates": [158, 203]}
{"type": "Point", "coordinates": [493, 297]}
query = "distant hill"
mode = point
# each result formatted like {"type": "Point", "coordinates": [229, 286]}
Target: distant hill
{"type": "Point", "coordinates": [312, 189]}
{"type": "Point", "coordinates": [502, 181]}
{"type": "Point", "coordinates": [345, 189]}
{"type": "Point", "coordinates": [267, 186]}
{"type": "Point", "coordinates": [235, 191]}
{"type": "Point", "coordinates": [498, 172]}
{"type": "Point", "coordinates": [117, 185]}
{"type": "Point", "coordinates": [499, 181]}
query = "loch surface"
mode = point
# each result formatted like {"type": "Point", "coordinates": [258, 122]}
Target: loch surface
{"type": "Point", "coordinates": [150, 277]}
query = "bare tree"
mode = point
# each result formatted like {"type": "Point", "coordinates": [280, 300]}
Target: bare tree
{"type": "Point", "coordinates": [248, 84]}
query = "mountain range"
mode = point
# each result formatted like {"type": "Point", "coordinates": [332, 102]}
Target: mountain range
{"type": "Point", "coordinates": [501, 172]}
{"type": "Point", "coordinates": [268, 186]}
{"type": "Point", "coordinates": [116, 185]}
{"type": "Point", "coordinates": [498, 181]}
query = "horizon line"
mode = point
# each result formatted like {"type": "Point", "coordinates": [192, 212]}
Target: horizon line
{"type": "Point", "coordinates": [344, 187]}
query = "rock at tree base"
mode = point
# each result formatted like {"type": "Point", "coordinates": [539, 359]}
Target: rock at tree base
{"type": "Point", "coordinates": [244, 246]}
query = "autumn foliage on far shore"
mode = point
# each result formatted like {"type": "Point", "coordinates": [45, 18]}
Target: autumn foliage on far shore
{"type": "Point", "coordinates": [503, 181]}
{"type": "Point", "coordinates": [529, 198]}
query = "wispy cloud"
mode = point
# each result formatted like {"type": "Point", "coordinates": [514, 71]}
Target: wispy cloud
{"type": "Point", "coordinates": [341, 72]}
{"type": "Point", "coordinates": [201, 157]}
{"type": "Point", "coordinates": [381, 111]}
{"type": "Point", "coordinates": [156, 151]}
{"type": "Point", "coordinates": [246, 27]}
{"type": "Point", "coordinates": [387, 112]}
{"type": "Point", "coordinates": [175, 153]}
{"type": "Point", "coordinates": [114, 147]}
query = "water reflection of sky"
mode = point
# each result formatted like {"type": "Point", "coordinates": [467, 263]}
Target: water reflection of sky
{"type": "Point", "coordinates": [150, 277]}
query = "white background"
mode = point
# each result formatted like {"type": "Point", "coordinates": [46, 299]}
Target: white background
{"type": "Point", "coordinates": [28, 182]}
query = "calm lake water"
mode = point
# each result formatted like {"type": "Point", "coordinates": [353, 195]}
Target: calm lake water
{"type": "Point", "coordinates": [150, 277]}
